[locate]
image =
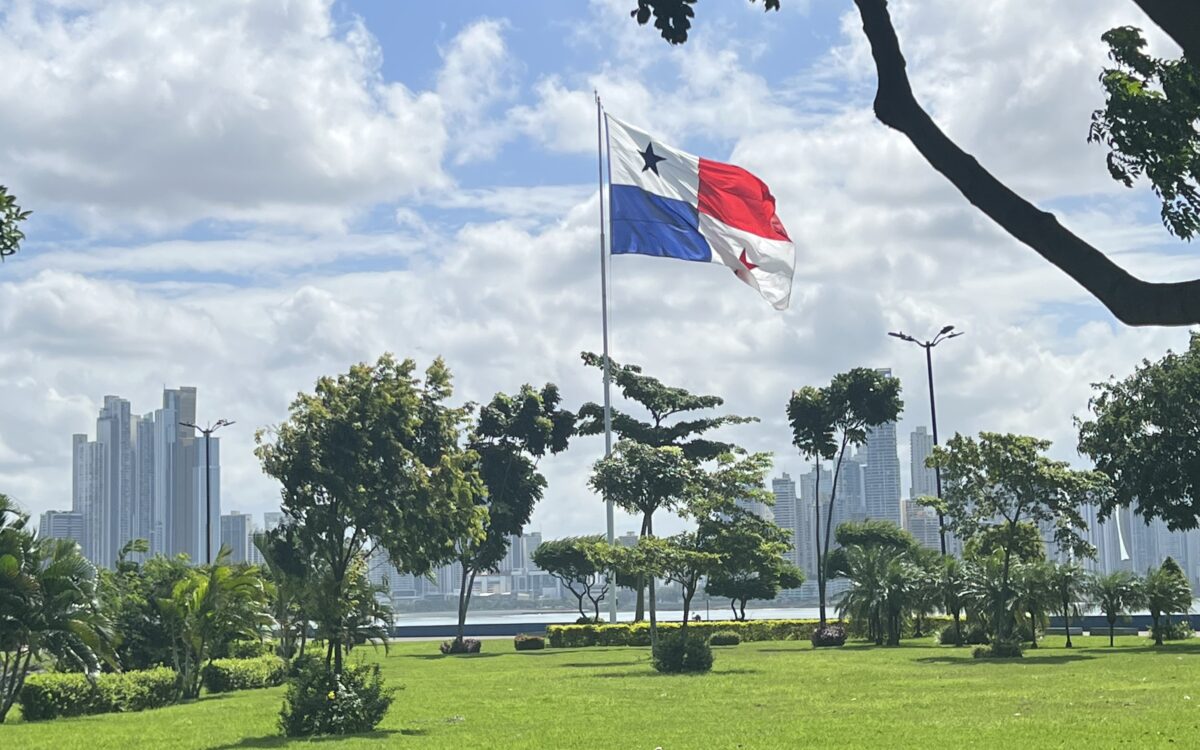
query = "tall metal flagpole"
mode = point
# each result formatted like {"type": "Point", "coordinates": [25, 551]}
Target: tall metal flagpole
{"type": "Point", "coordinates": [612, 599]}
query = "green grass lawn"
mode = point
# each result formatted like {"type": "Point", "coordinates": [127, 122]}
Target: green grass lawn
{"type": "Point", "coordinates": [759, 695]}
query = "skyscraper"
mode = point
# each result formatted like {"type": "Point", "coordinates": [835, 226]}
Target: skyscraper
{"type": "Point", "coordinates": [59, 524]}
{"type": "Point", "coordinates": [924, 479]}
{"type": "Point", "coordinates": [922, 523]}
{"type": "Point", "coordinates": [113, 521]}
{"type": "Point", "coordinates": [87, 489]}
{"type": "Point", "coordinates": [785, 510]}
{"type": "Point", "coordinates": [881, 476]}
{"type": "Point", "coordinates": [236, 529]}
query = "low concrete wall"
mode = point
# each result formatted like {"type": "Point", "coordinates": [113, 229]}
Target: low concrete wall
{"type": "Point", "coordinates": [473, 631]}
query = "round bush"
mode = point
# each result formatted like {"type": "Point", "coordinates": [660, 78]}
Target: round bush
{"type": "Point", "coordinates": [682, 652]}
{"type": "Point", "coordinates": [724, 638]}
{"type": "Point", "coordinates": [318, 702]}
{"type": "Point", "coordinates": [830, 635]}
{"type": "Point", "coordinates": [465, 646]}
{"type": "Point", "coordinates": [1000, 649]}
{"type": "Point", "coordinates": [585, 620]}
{"type": "Point", "coordinates": [524, 642]}
{"type": "Point", "coordinates": [971, 636]}
{"type": "Point", "coordinates": [1179, 630]}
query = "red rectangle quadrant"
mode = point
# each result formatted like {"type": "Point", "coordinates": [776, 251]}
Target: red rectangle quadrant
{"type": "Point", "coordinates": [735, 197]}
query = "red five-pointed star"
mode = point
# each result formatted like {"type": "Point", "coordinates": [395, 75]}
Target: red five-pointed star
{"type": "Point", "coordinates": [746, 261]}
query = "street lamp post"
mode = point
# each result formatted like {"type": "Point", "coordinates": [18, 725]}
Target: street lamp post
{"type": "Point", "coordinates": [945, 334]}
{"type": "Point", "coordinates": [207, 432]}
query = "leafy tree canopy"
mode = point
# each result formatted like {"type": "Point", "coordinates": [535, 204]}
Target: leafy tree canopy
{"type": "Point", "coordinates": [11, 217]}
{"type": "Point", "coordinates": [663, 404]}
{"type": "Point", "coordinates": [1151, 126]}
{"type": "Point", "coordinates": [1145, 437]}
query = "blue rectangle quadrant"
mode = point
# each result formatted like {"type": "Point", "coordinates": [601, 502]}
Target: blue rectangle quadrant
{"type": "Point", "coordinates": [647, 224]}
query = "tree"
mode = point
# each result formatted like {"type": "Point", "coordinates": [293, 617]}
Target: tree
{"type": "Point", "coordinates": [880, 560]}
{"type": "Point", "coordinates": [951, 580]}
{"type": "Point", "coordinates": [11, 216]}
{"type": "Point", "coordinates": [1132, 300]}
{"type": "Point", "coordinates": [1004, 480]}
{"type": "Point", "coordinates": [1069, 586]}
{"type": "Point", "coordinates": [48, 605]}
{"type": "Point", "coordinates": [511, 434]}
{"type": "Point", "coordinates": [642, 479]}
{"type": "Point", "coordinates": [374, 458]}
{"type": "Point", "coordinates": [1115, 594]}
{"type": "Point", "coordinates": [1149, 126]}
{"type": "Point", "coordinates": [1166, 590]}
{"type": "Point", "coordinates": [826, 421]}
{"type": "Point", "coordinates": [1144, 438]}
{"type": "Point", "coordinates": [753, 565]}
{"type": "Point", "coordinates": [289, 572]}
{"type": "Point", "coordinates": [1035, 596]}
{"type": "Point", "coordinates": [211, 606]}
{"type": "Point", "coordinates": [129, 597]}
{"type": "Point", "coordinates": [672, 423]}
{"type": "Point", "coordinates": [685, 559]}
{"type": "Point", "coordinates": [573, 562]}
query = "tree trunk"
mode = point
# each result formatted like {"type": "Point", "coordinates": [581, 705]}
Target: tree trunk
{"type": "Point", "coordinates": [464, 599]}
{"type": "Point", "coordinates": [1032, 629]}
{"type": "Point", "coordinates": [639, 613]}
{"type": "Point", "coordinates": [1132, 300]}
{"type": "Point", "coordinates": [743, 617]}
{"type": "Point", "coordinates": [653, 596]}
{"type": "Point", "coordinates": [1111, 622]}
{"type": "Point", "coordinates": [733, 606]}
{"type": "Point", "coordinates": [958, 639]}
{"type": "Point", "coordinates": [687, 605]}
{"type": "Point", "coordinates": [1067, 620]}
{"type": "Point", "coordinates": [817, 549]}
{"type": "Point", "coordinates": [823, 551]}
{"type": "Point", "coordinates": [1158, 635]}
{"type": "Point", "coordinates": [337, 656]}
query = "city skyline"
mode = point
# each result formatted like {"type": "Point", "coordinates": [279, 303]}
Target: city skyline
{"type": "Point", "coordinates": [143, 477]}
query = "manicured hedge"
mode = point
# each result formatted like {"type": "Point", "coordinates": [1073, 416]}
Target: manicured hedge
{"type": "Point", "coordinates": [224, 675]}
{"type": "Point", "coordinates": [638, 633]}
{"type": "Point", "coordinates": [54, 695]}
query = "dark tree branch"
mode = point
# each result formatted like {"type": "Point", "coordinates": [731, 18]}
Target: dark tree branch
{"type": "Point", "coordinates": [1132, 300]}
{"type": "Point", "coordinates": [1180, 19]}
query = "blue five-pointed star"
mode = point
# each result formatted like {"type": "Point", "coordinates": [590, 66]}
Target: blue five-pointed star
{"type": "Point", "coordinates": [651, 159]}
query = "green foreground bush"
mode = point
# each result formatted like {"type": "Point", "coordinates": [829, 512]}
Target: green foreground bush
{"type": "Point", "coordinates": [54, 695]}
{"type": "Point", "coordinates": [724, 638]}
{"type": "Point", "coordinates": [523, 642]}
{"type": "Point", "coordinates": [682, 652]}
{"type": "Point", "coordinates": [224, 675]}
{"type": "Point", "coordinates": [318, 702]}
{"type": "Point", "coordinates": [638, 633]}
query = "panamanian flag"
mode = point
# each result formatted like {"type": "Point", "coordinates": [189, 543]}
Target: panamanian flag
{"type": "Point", "coordinates": [670, 204]}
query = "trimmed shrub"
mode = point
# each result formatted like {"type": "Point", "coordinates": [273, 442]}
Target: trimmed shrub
{"type": "Point", "coordinates": [224, 675]}
{"type": "Point", "coordinates": [724, 638]}
{"type": "Point", "coordinates": [638, 633]}
{"type": "Point", "coordinates": [1180, 630]}
{"type": "Point", "coordinates": [682, 652]}
{"type": "Point", "coordinates": [53, 695]}
{"type": "Point", "coordinates": [465, 646]}
{"type": "Point", "coordinates": [319, 702]}
{"type": "Point", "coordinates": [971, 636]}
{"type": "Point", "coordinates": [529, 642]}
{"type": "Point", "coordinates": [830, 635]}
{"type": "Point", "coordinates": [249, 649]}
{"type": "Point", "coordinates": [1008, 649]}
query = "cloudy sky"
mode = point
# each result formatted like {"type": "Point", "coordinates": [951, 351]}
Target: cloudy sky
{"type": "Point", "coordinates": [245, 196]}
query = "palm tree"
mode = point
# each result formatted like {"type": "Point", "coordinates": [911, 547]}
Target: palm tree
{"type": "Point", "coordinates": [1166, 590]}
{"type": "Point", "coordinates": [1034, 594]}
{"type": "Point", "coordinates": [989, 593]}
{"type": "Point", "coordinates": [1069, 585]}
{"type": "Point", "coordinates": [48, 605]}
{"type": "Point", "coordinates": [210, 606]}
{"type": "Point", "coordinates": [1115, 594]}
{"type": "Point", "coordinates": [289, 572]}
{"type": "Point", "coordinates": [951, 581]}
